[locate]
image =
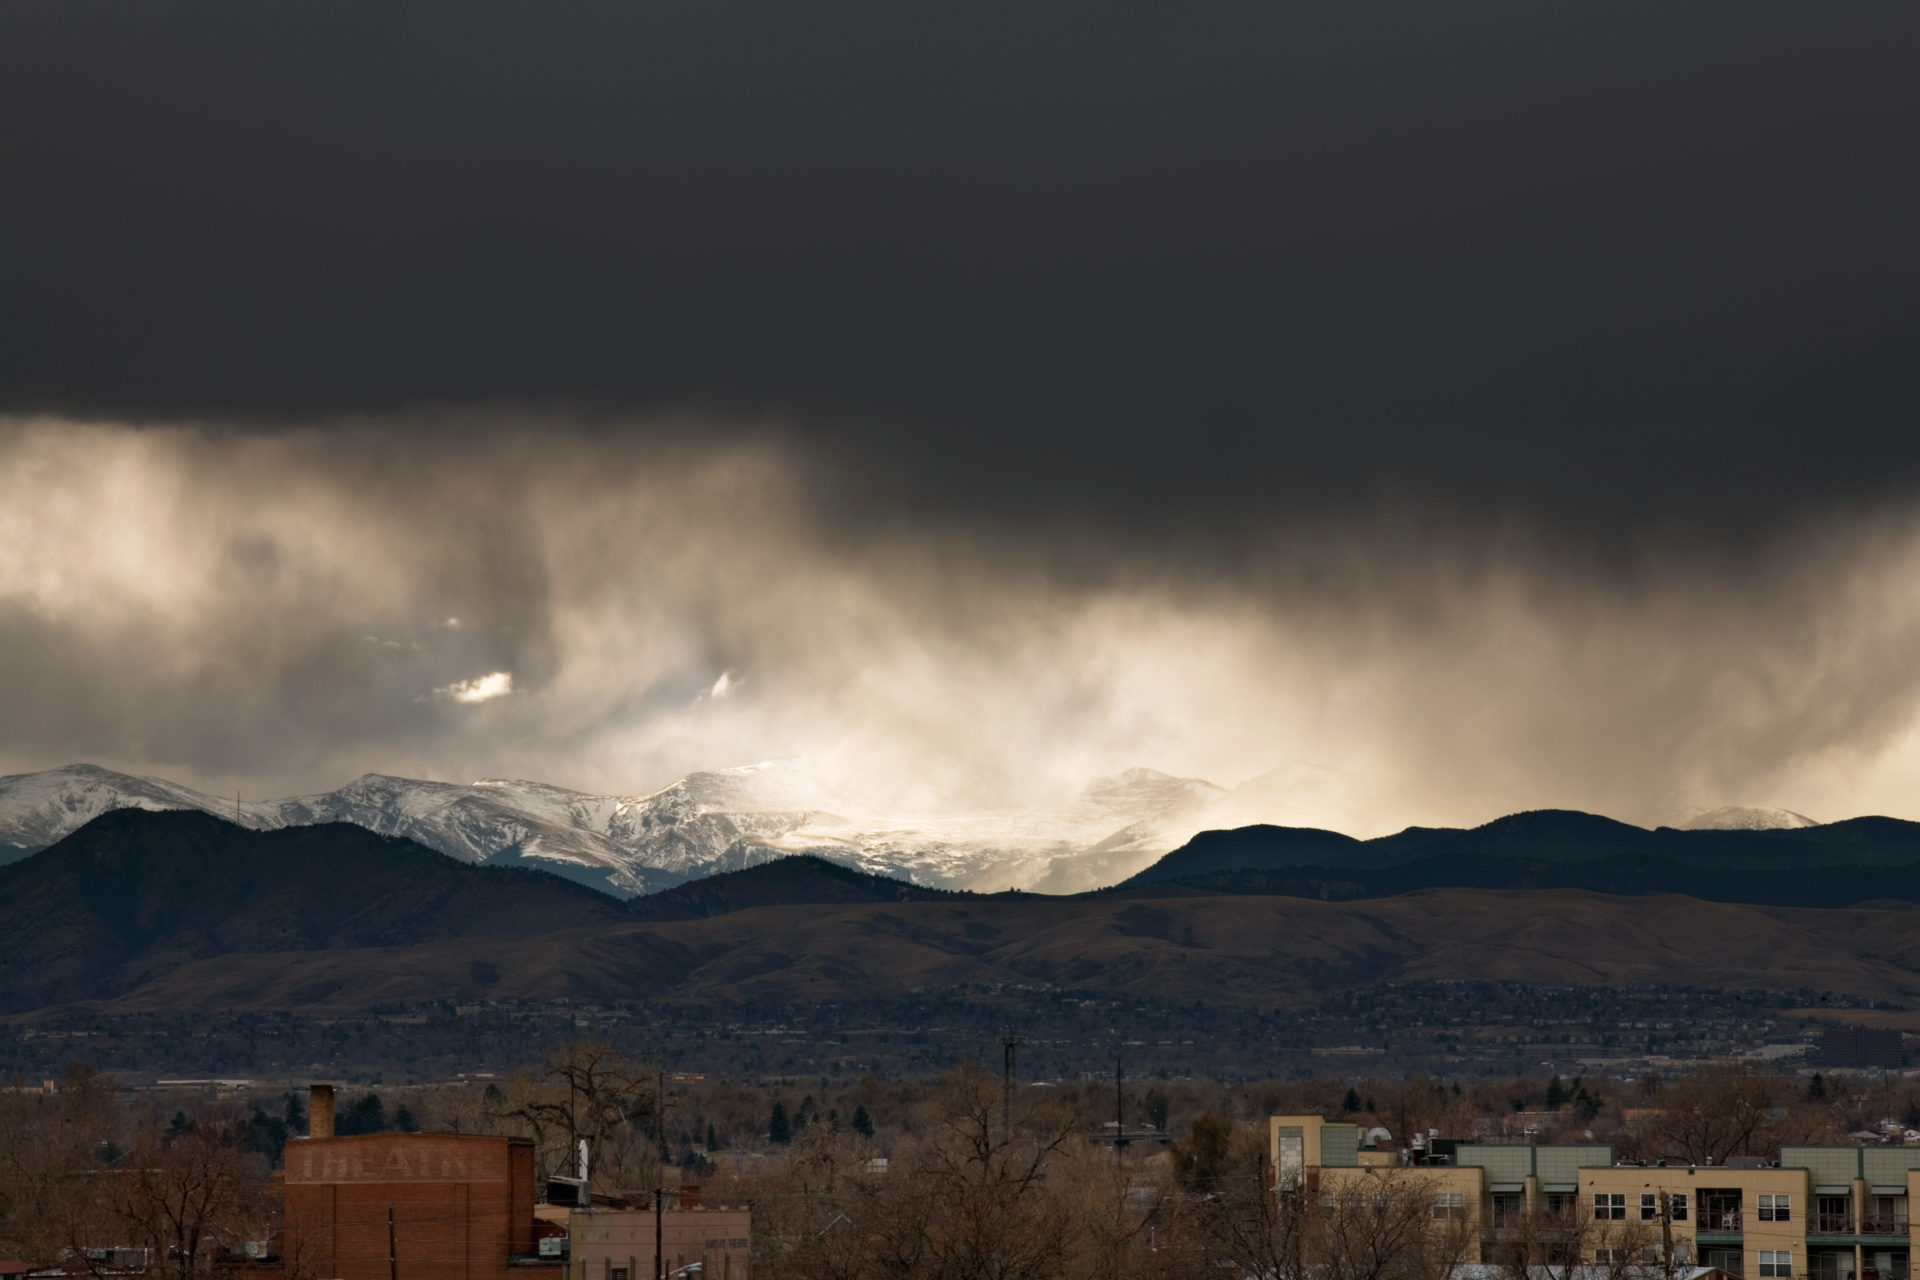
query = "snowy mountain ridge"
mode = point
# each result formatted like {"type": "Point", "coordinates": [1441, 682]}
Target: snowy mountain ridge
{"type": "Point", "coordinates": [705, 823]}
{"type": "Point", "coordinates": [728, 819]}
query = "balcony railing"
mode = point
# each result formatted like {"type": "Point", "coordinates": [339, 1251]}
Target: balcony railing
{"type": "Point", "coordinates": [1719, 1221]}
{"type": "Point", "coordinates": [1898, 1271]}
{"type": "Point", "coordinates": [1830, 1224]}
{"type": "Point", "coordinates": [1894, 1224]}
{"type": "Point", "coordinates": [1495, 1218]}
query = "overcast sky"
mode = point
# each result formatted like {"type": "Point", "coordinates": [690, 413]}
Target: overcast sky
{"type": "Point", "coordinates": [1503, 404]}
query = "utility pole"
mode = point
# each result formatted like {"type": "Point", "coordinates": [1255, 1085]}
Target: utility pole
{"type": "Point", "coordinates": [393, 1248]}
{"type": "Point", "coordinates": [1666, 1232]}
{"type": "Point", "coordinates": [1009, 1047]}
{"type": "Point", "coordinates": [659, 1187]}
{"type": "Point", "coordinates": [1119, 1104]}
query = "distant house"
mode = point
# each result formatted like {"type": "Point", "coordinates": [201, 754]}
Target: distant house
{"type": "Point", "coordinates": [12, 1269]}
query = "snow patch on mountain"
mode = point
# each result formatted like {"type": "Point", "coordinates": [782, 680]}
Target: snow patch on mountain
{"type": "Point", "coordinates": [37, 809]}
{"type": "Point", "coordinates": [1742, 818]}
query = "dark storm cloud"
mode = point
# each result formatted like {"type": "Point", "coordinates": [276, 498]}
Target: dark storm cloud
{"type": "Point", "coordinates": [1501, 403]}
{"type": "Point", "coordinates": [1101, 270]}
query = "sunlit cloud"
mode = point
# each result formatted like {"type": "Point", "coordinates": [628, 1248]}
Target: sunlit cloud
{"type": "Point", "coordinates": [495, 684]}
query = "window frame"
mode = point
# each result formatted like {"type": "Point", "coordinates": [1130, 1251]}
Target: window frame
{"type": "Point", "coordinates": [1774, 1206]}
{"type": "Point", "coordinates": [1609, 1206]}
{"type": "Point", "coordinates": [1776, 1264]}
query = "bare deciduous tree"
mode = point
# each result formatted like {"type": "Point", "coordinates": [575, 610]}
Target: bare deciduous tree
{"type": "Point", "coordinates": [186, 1199]}
{"type": "Point", "coordinates": [51, 1145]}
{"type": "Point", "coordinates": [1725, 1109]}
{"type": "Point", "coordinates": [587, 1090]}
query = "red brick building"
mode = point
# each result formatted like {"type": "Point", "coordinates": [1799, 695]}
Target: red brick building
{"type": "Point", "coordinates": [461, 1206]}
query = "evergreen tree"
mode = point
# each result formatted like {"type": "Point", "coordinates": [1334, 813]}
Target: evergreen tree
{"type": "Point", "coordinates": [180, 1124]}
{"type": "Point", "coordinates": [780, 1129]}
{"type": "Point", "coordinates": [1157, 1108]}
{"type": "Point", "coordinates": [403, 1120]}
{"type": "Point", "coordinates": [862, 1122]}
{"type": "Point", "coordinates": [295, 1116]}
{"type": "Point", "coordinates": [367, 1114]}
{"type": "Point", "coordinates": [1556, 1094]}
{"type": "Point", "coordinates": [1817, 1088]}
{"type": "Point", "coordinates": [265, 1134]}
{"type": "Point", "coordinates": [713, 1140]}
{"type": "Point", "coordinates": [1351, 1103]}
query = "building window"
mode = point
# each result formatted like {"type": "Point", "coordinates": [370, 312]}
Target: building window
{"type": "Point", "coordinates": [1609, 1257]}
{"type": "Point", "coordinates": [1776, 1262]}
{"type": "Point", "coordinates": [616, 1273]}
{"type": "Point", "coordinates": [1292, 1163]}
{"type": "Point", "coordinates": [1609, 1206]}
{"type": "Point", "coordinates": [1649, 1206]}
{"type": "Point", "coordinates": [1677, 1205]}
{"type": "Point", "coordinates": [1450, 1206]}
{"type": "Point", "coordinates": [1727, 1260]}
{"type": "Point", "coordinates": [1776, 1208]}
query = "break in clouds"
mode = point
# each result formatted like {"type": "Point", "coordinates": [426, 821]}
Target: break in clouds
{"type": "Point", "coordinates": [609, 606]}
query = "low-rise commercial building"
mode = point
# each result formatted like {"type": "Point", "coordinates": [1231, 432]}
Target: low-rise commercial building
{"type": "Point", "coordinates": [617, 1244]}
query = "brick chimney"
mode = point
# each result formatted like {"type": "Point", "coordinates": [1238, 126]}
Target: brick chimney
{"type": "Point", "coordinates": [320, 1111]}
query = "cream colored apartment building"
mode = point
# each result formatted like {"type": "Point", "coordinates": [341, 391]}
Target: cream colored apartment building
{"type": "Point", "coordinates": [1815, 1213]}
